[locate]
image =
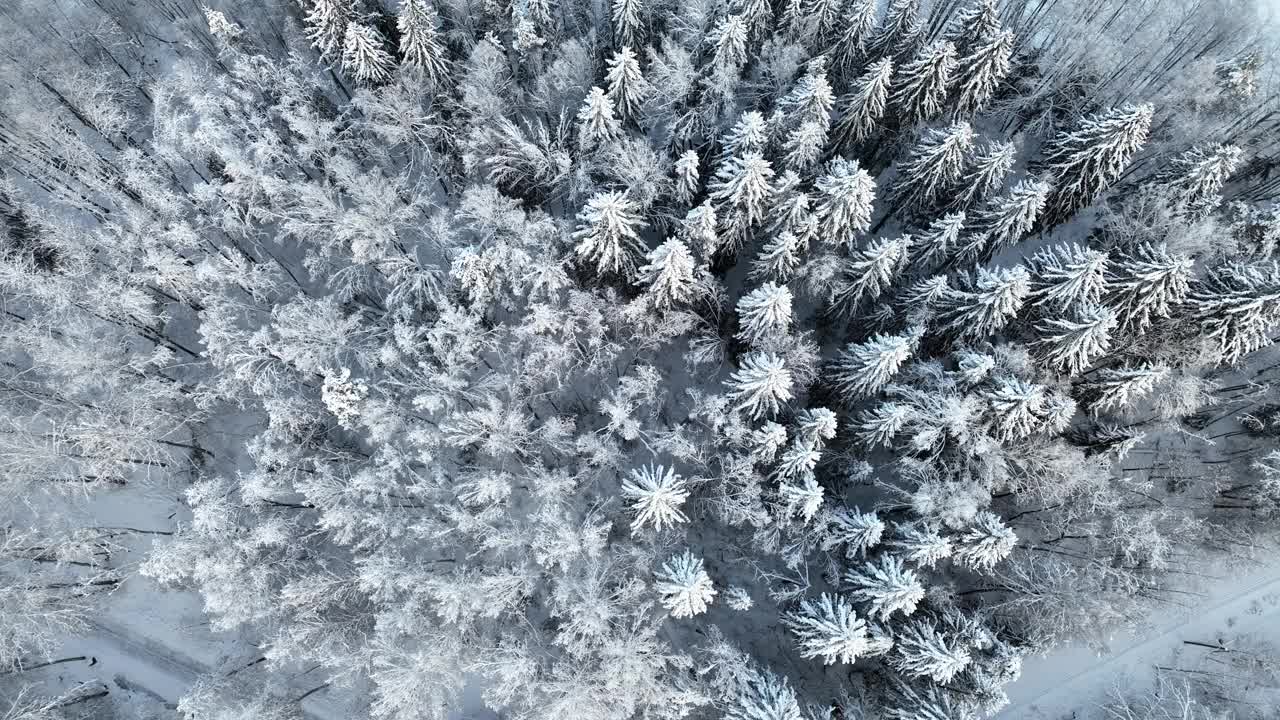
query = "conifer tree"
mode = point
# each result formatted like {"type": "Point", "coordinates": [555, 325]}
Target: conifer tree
{"type": "Point", "coordinates": [985, 543]}
{"type": "Point", "coordinates": [608, 234]}
{"type": "Point", "coordinates": [932, 246]}
{"type": "Point", "coordinates": [980, 73]}
{"type": "Point", "coordinates": [687, 178]}
{"type": "Point", "coordinates": [730, 39]}
{"type": "Point", "coordinates": [802, 499]}
{"type": "Point", "coordinates": [1017, 408]}
{"type": "Point", "coordinates": [816, 424]}
{"type": "Point", "coordinates": [1085, 161]}
{"type": "Point", "coordinates": [779, 258]}
{"type": "Point", "coordinates": [921, 87]}
{"type": "Point", "coordinates": [1067, 276]}
{"type": "Point", "coordinates": [863, 107]}
{"type": "Point", "coordinates": [748, 135]}
{"type": "Point", "coordinates": [920, 650]}
{"type": "Point", "coordinates": [656, 493]}
{"type": "Point", "coordinates": [669, 274]}
{"type": "Point", "coordinates": [829, 628]}
{"type": "Point", "coordinates": [935, 164]}
{"type": "Point", "coordinates": [1072, 345]}
{"type": "Point", "coordinates": [1238, 307]}
{"type": "Point", "coordinates": [922, 544]}
{"type": "Point", "coordinates": [1117, 388]}
{"type": "Point", "coordinates": [857, 531]}
{"type": "Point", "coordinates": [847, 197]}
{"type": "Point", "coordinates": [327, 23]}
{"type": "Point", "coordinates": [868, 272]}
{"type": "Point", "coordinates": [761, 385]}
{"type": "Point", "coordinates": [1005, 220]}
{"type": "Point", "coordinates": [853, 32]}
{"type": "Point", "coordinates": [1145, 284]}
{"type": "Point", "coordinates": [989, 301]}
{"type": "Point", "coordinates": [974, 25]}
{"type": "Point", "coordinates": [984, 175]}
{"type": "Point", "coordinates": [862, 369]}
{"type": "Point", "coordinates": [1198, 175]}
{"type": "Point", "coordinates": [803, 148]}
{"type": "Point", "coordinates": [886, 586]}
{"type": "Point", "coordinates": [879, 425]}
{"type": "Point", "coordinates": [419, 40]}
{"type": "Point", "coordinates": [898, 31]}
{"type": "Point", "coordinates": [811, 100]}
{"type": "Point", "coordinates": [701, 228]}
{"type": "Point", "coordinates": [762, 695]}
{"type": "Point", "coordinates": [596, 122]}
{"type": "Point", "coordinates": [628, 17]}
{"type": "Point", "coordinates": [363, 56]}
{"type": "Point", "coordinates": [627, 86]}
{"type": "Point", "coordinates": [685, 587]}
{"type": "Point", "coordinates": [764, 313]}
{"type": "Point", "coordinates": [741, 186]}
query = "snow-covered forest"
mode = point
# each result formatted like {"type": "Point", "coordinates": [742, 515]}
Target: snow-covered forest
{"type": "Point", "coordinates": [652, 359]}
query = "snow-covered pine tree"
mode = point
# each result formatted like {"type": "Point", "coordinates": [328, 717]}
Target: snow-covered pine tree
{"type": "Point", "coordinates": [420, 44]}
{"type": "Point", "coordinates": [668, 275]}
{"type": "Point", "coordinates": [688, 180]}
{"type": "Point", "coordinates": [764, 314]}
{"type": "Point", "coordinates": [628, 20]}
{"type": "Point", "coordinates": [811, 100]}
{"type": "Point", "coordinates": [802, 498]}
{"type": "Point", "coordinates": [684, 585]}
{"type": "Point", "coordinates": [848, 195]}
{"type": "Point", "coordinates": [741, 188]}
{"type": "Point", "coordinates": [779, 258]}
{"type": "Point", "coordinates": [1016, 407]}
{"type": "Point", "coordinates": [921, 650]}
{"type": "Point", "coordinates": [597, 123]}
{"type": "Point", "coordinates": [798, 460]}
{"type": "Point", "coordinates": [627, 86]}
{"type": "Point", "coordinates": [931, 247]}
{"type": "Point", "coordinates": [868, 272]}
{"type": "Point", "coordinates": [730, 40]}
{"type": "Point", "coordinates": [363, 56]}
{"type": "Point", "coordinates": [1084, 162]}
{"type": "Point", "coordinates": [1072, 344]}
{"type": "Point", "coordinates": [1068, 276]}
{"type": "Point", "coordinates": [856, 530]}
{"type": "Point", "coordinates": [804, 146]}
{"type": "Point", "coordinates": [219, 26]}
{"type": "Point", "coordinates": [922, 85]}
{"type": "Point", "coordinates": [748, 135]}
{"type": "Point", "coordinates": [898, 31]}
{"type": "Point", "coordinates": [984, 174]}
{"type": "Point", "coordinates": [987, 541]}
{"type": "Point", "coordinates": [1003, 221]}
{"type": "Point", "coordinates": [855, 30]}
{"type": "Point", "coordinates": [608, 234]}
{"type": "Point", "coordinates": [1198, 175]}
{"type": "Point", "coordinates": [760, 385]}
{"type": "Point", "coordinates": [1117, 388]}
{"type": "Point", "coordinates": [327, 23]}
{"type": "Point", "coordinates": [656, 494]}
{"type": "Point", "coordinates": [886, 586]}
{"type": "Point", "coordinates": [816, 425]}
{"type": "Point", "coordinates": [935, 164]}
{"type": "Point", "coordinates": [1144, 284]}
{"type": "Point", "coordinates": [979, 74]}
{"type": "Point", "coordinates": [986, 302]}
{"type": "Point", "coordinates": [974, 25]}
{"type": "Point", "coordinates": [863, 107]}
{"type": "Point", "coordinates": [1238, 307]}
{"type": "Point", "coordinates": [876, 427]}
{"type": "Point", "coordinates": [762, 695]}
{"type": "Point", "coordinates": [921, 544]}
{"type": "Point", "coordinates": [862, 369]}
{"type": "Point", "coordinates": [829, 628]}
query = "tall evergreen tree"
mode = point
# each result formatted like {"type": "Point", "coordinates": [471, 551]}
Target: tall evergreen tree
{"type": "Point", "coordinates": [327, 23]}
{"type": "Point", "coordinates": [1085, 161]}
{"type": "Point", "coordinates": [979, 74]}
{"type": "Point", "coordinates": [847, 197]}
{"type": "Point", "coordinates": [627, 86]}
{"type": "Point", "coordinates": [934, 165]}
{"type": "Point", "coordinates": [608, 234]}
{"type": "Point", "coordinates": [921, 86]}
{"type": "Point", "coordinates": [1238, 307]}
{"type": "Point", "coordinates": [363, 55]}
{"type": "Point", "coordinates": [886, 586]}
{"type": "Point", "coordinates": [987, 302]}
{"type": "Point", "coordinates": [864, 107]}
{"type": "Point", "coordinates": [862, 369]}
{"type": "Point", "coordinates": [1146, 283]}
{"type": "Point", "coordinates": [420, 44]}
{"type": "Point", "coordinates": [761, 384]}
{"type": "Point", "coordinates": [828, 628]}
{"type": "Point", "coordinates": [898, 31]}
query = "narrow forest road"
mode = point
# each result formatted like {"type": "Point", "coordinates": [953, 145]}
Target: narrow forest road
{"type": "Point", "coordinates": [1076, 679]}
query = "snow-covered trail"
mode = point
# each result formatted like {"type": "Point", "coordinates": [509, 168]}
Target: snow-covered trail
{"type": "Point", "coordinates": [1069, 679]}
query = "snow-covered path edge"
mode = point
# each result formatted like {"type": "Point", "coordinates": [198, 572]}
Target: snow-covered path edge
{"type": "Point", "coordinates": [1052, 686]}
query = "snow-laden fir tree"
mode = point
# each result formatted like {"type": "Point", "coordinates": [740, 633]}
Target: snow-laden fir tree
{"type": "Point", "coordinates": [608, 234]}
{"type": "Point", "coordinates": [984, 174]}
{"type": "Point", "coordinates": [741, 186]}
{"type": "Point", "coordinates": [987, 302]}
{"type": "Point", "coordinates": [811, 100]}
{"type": "Point", "coordinates": [779, 258]}
{"type": "Point", "coordinates": [597, 122]}
{"type": "Point", "coordinates": [863, 108]}
{"type": "Point", "coordinates": [921, 544]}
{"type": "Point", "coordinates": [979, 74]}
{"type": "Point", "coordinates": [868, 272]}
{"type": "Point", "coordinates": [921, 650]}
{"type": "Point", "coordinates": [876, 427]}
{"type": "Point", "coordinates": [1238, 307]}
{"type": "Point", "coordinates": [934, 165]}
{"type": "Point", "coordinates": [1085, 161]}
{"type": "Point", "coordinates": [804, 146]}
{"type": "Point", "coordinates": [748, 135]}
{"type": "Point", "coordinates": [627, 86]}
{"type": "Point", "coordinates": [1068, 276]}
{"type": "Point", "coordinates": [886, 586]}
{"type": "Point", "coordinates": [656, 494]}
{"type": "Point", "coordinates": [762, 695]}
{"type": "Point", "coordinates": [767, 440]}
{"type": "Point", "coordinates": [852, 33]}
{"type": "Point", "coordinates": [798, 460]}
{"type": "Point", "coordinates": [1198, 176]}
{"type": "Point", "coordinates": [1117, 388]}
{"type": "Point", "coordinates": [327, 23]}
{"type": "Point", "coordinates": [761, 384]}
{"type": "Point", "coordinates": [828, 628]}
{"type": "Point", "coordinates": [1144, 284]}
{"type": "Point", "coordinates": [685, 588]}
{"type": "Point", "coordinates": [219, 26]}
{"type": "Point", "coordinates": [1005, 220]}
{"type": "Point", "coordinates": [856, 530]}
{"type": "Point", "coordinates": [862, 369]}
{"type": "Point", "coordinates": [971, 26]}
{"type": "Point", "coordinates": [701, 228]}
{"type": "Point", "coordinates": [1072, 344]}
{"type": "Point", "coordinates": [848, 194]}
{"type": "Point", "coordinates": [898, 30]}
{"type": "Point", "coordinates": [764, 313]}
{"type": "Point", "coordinates": [816, 425]}
{"type": "Point", "coordinates": [628, 17]}
{"type": "Point", "coordinates": [802, 497]}
{"type": "Point", "coordinates": [420, 44]}
{"type": "Point", "coordinates": [363, 56]}
{"type": "Point", "coordinates": [921, 86]}
{"type": "Point", "coordinates": [1016, 408]}
{"type": "Point", "coordinates": [668, 275]}
{"type": "Point", "coordinates": [729, 38]}
{"type": "Point", "coordinates": [987, 541]}
{"type": "Point", "coordinates": [688, 180]}
{"type": "Point", "coordinates": [931, 247]}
